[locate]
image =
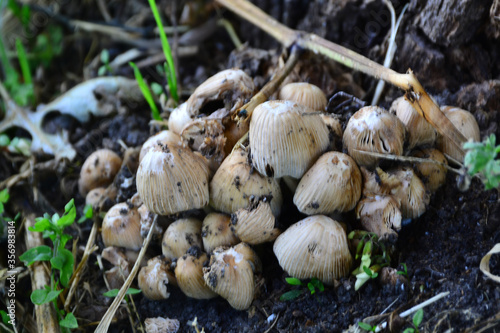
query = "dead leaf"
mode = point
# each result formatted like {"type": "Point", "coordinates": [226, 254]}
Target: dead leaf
{"type": "Point", "coordinates": [485, 263]}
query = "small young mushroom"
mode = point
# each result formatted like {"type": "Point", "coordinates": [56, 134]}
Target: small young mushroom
{"type": "Point", "coordinates": [189, 274]}
{"type": "Point", "coordinates": [420, 132]}
{"type": "Point", "coordinates": [154, 278]}
{"type": "Point", "coordinates": [380, 214]}
{"type": "Point", "coordinates": [98, 170]}
{"type": "Point", "coordinates": [179, 118]}
{"type": "Point", "coordinates": [305, 94]}
{"type": "Point", "coordinates": [255, 224]}
{"type": "Point", "coordinates": [121, 227]}
{"type": "Point", "coordinates": [373, 129]}
{"type": "Point", "coordinates": [433, 175]}
{"type": "Point", "coordinates": [315, 247]}
{"type": "Point", "coordinates": [172, 179]}
{"type": "Point", "coordinates": [180, 236]}
{"type": "Point", "coordinates": [333, 183]}
{"type": "Point", "coordinates": [412, 194]}
{"type": "Point", "coordinates": [95, 196]}
{"type": "Point", "coordinates": [235, 183]}
{"type": "Point", "coordinates": [164, 137]}
{"type": "Point", "coordinates": [216, 232]}
{"type": "Point", "coordinates": [231, 274]}
{"type": "Point", "coordinates": [285, 139]}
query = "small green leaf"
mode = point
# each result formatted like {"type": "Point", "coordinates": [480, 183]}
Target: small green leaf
{"type": "Point", "coordinates": [4, 195]}
{"type": "Point", "coordinates": [69, 321]}
{"type": "Point", "coordinates": [290, 295]}
{"type": "Point", "coordinates": [409, 330]}
{"type": "Point", "coordinates": [293, 281]}
{"type": "Point", "coordinates": [39, 253]}
{"type": "Point", "coordinates": [42, 296]}
{"type": "Point", "coordinates": [318, 284]}
{"type": "Point", "coordinates": [418, 317]}
{"type": "Point", "coordinates": [69, 216]}
{"type": "Point", "coordinates": [365, 326]}
{"type": "Point", "coordinates": [145, 92]}
{"type": "Point", "coordinates": [5, 318]}
{"type": "Point", "coordinates": [4, 142]}
{"type": "Point", "coordinates": [41, 225]}
{"type": "Point", "coordinates": [105, 56]}
{"type": "Point", "coordinates": [114, 292]}
{"type": "Point", "coordinates": [101, 71]}
{"type": "Point", "coordinates": [67, 268]}
{"type": "Point", "coordinates": [88, 213]}
{"type": "Point", "coordinates": [64, 239]}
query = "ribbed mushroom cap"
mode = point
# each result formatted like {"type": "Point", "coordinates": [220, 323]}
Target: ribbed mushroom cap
{"type": "Point", "coordinates": [122, 227]}
{"type": "Point", "coordinates": [164, 137]}
{"type": "Point", "coordinates": [189, 274]}
{"type": "Point", "coordinates": [154, 278]}
{"type": "Point", "coordinates": [305, 94]}
{"type": "Point", "coordinates": [255, 225]}
{"type": "Point", "coordinates": [433, 175]}
{"type": "Point", "coordinates": [179, 118]}
{"type": "Point", "coordinates": [381, 215]}
{"type": "Point", "coordinates": [465, 122]}
{"type": "Point", "coordinates": [231, 275]}
{"type": "Point", "coordinates": [180, 236]}
{"type": "Point", "coordinates": [216, 232]}
{"type": "Point", "coordinates": [285, 140]}
{"type": "Point", "coordinates": [373, 129]}
{"type": "Point", "coordinates": [172, 179]}
{"type": "Point", "coordinates": [235, 183]}
{"type": "Point", "coordinates": [98, 170]}
{"type": "Point", "coordinates": [314, 247]}
{"type": "Point", "coordinates": [333, 183]}
{"type": "Point", "coordinates": [412, 194]}
{"type": "Point", "coordinates": [419, 131]}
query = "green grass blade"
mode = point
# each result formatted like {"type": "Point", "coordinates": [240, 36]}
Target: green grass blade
{"type": "Point", "coordinates": [23, 62]}
{"type": "Point", "coordinates": [146, 92]}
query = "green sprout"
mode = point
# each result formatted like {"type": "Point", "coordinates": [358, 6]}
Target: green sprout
{"type": "Point", "coordinates": [146, 92]}
{"type": "Point", "coordinates": [404, 271]}
{"type": "Point", "coordinates": [480, 159]}
{"type": "Point", "coordinates": [313, 285]}
{"type": "Point", "coordinates": [367, 327]}
{"type": "Point", "coordinates": [417, 320]}
{"type": "Point", "coordinates": [105, 68]}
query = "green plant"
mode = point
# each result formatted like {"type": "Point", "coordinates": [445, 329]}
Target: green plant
{"type": "Point", "coordinates": [417, 320]}
{"type": "Point", "coordinates": [313, 285]}
{"type": "Point", "coordinates": [146, 92]}
{"type": "Point", "coordinates": [105, 68]}
{"type": "Point", "coordinates": [404, 271]}
{"type": "Point", "coordinates": [372, 253]}
{"type": "Point", "coordinates": [367, 327]}
{"type": "Point", "coordinates": [61, 261]}
{"type": "Point", "coordinates": [481, 159]}
{"type": "Point", "coordinates": [16, 145]}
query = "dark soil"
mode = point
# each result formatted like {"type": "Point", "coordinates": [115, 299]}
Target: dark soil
{"type": "Point", "coordinates": [442, 249]}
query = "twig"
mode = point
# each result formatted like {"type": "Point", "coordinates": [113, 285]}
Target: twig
{"type": "Point", "coordinates": [108, 316]}
{"type": "Point", "coordinates": [415, 93]}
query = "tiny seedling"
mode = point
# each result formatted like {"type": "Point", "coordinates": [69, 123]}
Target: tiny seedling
{"type": "Point", "coordinates": [404, 271]}
{"type": "Point", "coordinates": [16, 145]}
{"type": "Point", "coordinates": [61, 261]}
{"type": "Point", "coordinates": [417, 320]}
{"type": "Point", "coordinates": [105, 68]}
{"type": "Point", "coordinates": [367, 327]}
{"type": "Point", "coordinates": [313, 285]}
{"type": "Point", "coordinates": [480, 159]}
{"type": "Point", "coordinates": [146, 92]}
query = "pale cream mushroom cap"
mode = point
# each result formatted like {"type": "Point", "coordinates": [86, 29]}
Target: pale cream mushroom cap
{"type": "Point", "coordinates": [179, 118]}
{"type": "Point", "coordinates": [285, 139]}
{"type": "Point", "coordinates": [180, 236]}
{"type": "Point", "coordinates": [304, 93]}
{"type": "Point", "coordinates": [216, 232]}
{"type": "Point", "coordinates": [98, 170]}
{"type": "Point", "coordinates": [333, 183]}
{"type": "Point", "coordinates": [380, 214]}
{"type": "Point", "coordinates": [412, 194]}
{"type": "Point", "coordinates": [315, 247]}
{"type": "Point", "coordinates": [161, 325]}
{"type": "Point", "coordinates": [189, 274]}
{"type": "Point", "coordinates": [122, 227]}
{"type": "Point", "coordinates": [164, 137]}
{"type": "Point", "coordinates": [433, 175]}
{"type": "Point", "coordinates": [255, 224]}
{"type": "Point", "coordinates": [154, 278]}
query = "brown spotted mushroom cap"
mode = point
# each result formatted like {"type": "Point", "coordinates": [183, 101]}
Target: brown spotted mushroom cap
{"type": "Point", "coordinates": [122, 227]}
{"type": "Point", "coordinates": [189, 274]}
{"type": "Point", "coordinates": [180, 236]}
{"type": "Point", "coordinates": [216, 232]}
{"type": "Point", "coordinates": [98, 170]}
{"type": "Point", "coordinates": [255, 224]}
{"type": "Point", "coordinates": [305, 94]}
{"type": "Point", "coordinates": [154, 278]}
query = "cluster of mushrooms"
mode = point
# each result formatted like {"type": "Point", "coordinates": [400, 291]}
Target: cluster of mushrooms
{"type": "Point", "coordinates": [223, 194]}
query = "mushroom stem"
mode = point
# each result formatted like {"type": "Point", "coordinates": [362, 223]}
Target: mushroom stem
{"type": "Point", "coordinates": [108, 316]}
{"type": "Point", "coordinates": [415, 93]}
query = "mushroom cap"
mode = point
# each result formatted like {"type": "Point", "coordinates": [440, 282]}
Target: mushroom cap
{"type": "Point", "coordinates": [411, 194]}
{"type": "Point", "coordinates": [216, 232]}
{"type": "Point", "coordinates": [380, 214]}
{"type": "Point", "coordinates": [172, 179]}
{"type": "Point", "coordinates": [231, 274]}
{"type": "Point", "coordinates": [161, 325]}
{"type": "Point", "coordinates": [180, 236]}
{"type": "Point", "coordinates": [94, 196]}
{"type": "Point", "coordinates": [189, 274]}
{"type": "Point", "coordinates": [98, 170]}
{"type": "Point", "coordinates": [235, 184]}
{"type": "Point", "coordinates": [179, 118]}
{"type": "Point", "coordinates": [154, 277]}
{"type": "Point", "coordinates": [333, 124]}
{"type": "Point", "coordinates": [255, 224]}
{"type": "Point", "coordinates": [122, 227]}
{"type": "Point", "coordinates": [433, 175]}
{"type": "Point", "coordinates": [333, 183]}
{"type": "Point", "coordinates": [315, 247]}
{"type": "Point", "coordinates": [465, 122]}
{"type": "Point", "coordinates": [305, 94]}
{"type": "Point", "coordinates": [373, 129]}
{"type": "Point", "coordinates": [285, 140]}
{"type": "Point", "coordinates": [419, 131]}
{"type": "Point", "coordinates": [164, 137]}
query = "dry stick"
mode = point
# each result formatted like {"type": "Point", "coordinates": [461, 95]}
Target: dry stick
{"type": "Point", "coordinates": [46, 318]}
{"type": "Point", "coordinates": [415, 93]}
{"type": "Point", "coordinates": [108, 316]}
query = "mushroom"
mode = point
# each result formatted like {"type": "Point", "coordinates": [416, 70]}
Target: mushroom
{"type": "Point", "coordinates": [433, 175]}
{"type": "Point", "coordinates": [380, 214]}
{"type": "Point", "coordinates": [373, 129]}
{"type": "Point", "coordinates": [121, 227]}
{"type": "Point", "coordinates": [235, 183]}
{"type": "Point", "coordinates": [147, 219]}
{"type": "Point", "coordinates": [94, 196]}
{"type": "Point", "coordinates": [179, 118]}
{"type": "Point", "coordinates": [333, 183]}
{"type": "Point", "coordinates": [172, 179]}
{"type": "Point", "coordinates": [189, 274]}
{"type": "Point", "coordinates": [164, 137]}
{"type": "Point", "coordinates": [465, 122]}
{"type": "Point", "coordinates": [315, 247]}
{"type": "Point", "coordinates": [412, 194]}
{"type": "Point", "coordinates": [180, 236]}
{"type": "Point", "coordinates": [285, 139]}
{"type": "Point", "coordinates": [121, 266]}
{"type": "Point", "coordinates": [98, 170]}
{"type": "Point", "coordinates": [420, 132]}
{"type": "Point", "coordinates": [305, 94]}
{"type": "Point", "coordinates": [154, 278]}
{"type": "Point", "coordinates": [231, 274]}
{"type": "Point", "coordinates": [216, 232]}
{"type": "Point", "coordinates": [161, 325]}
{"type": "Point", "coordinates": [255, 224]}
